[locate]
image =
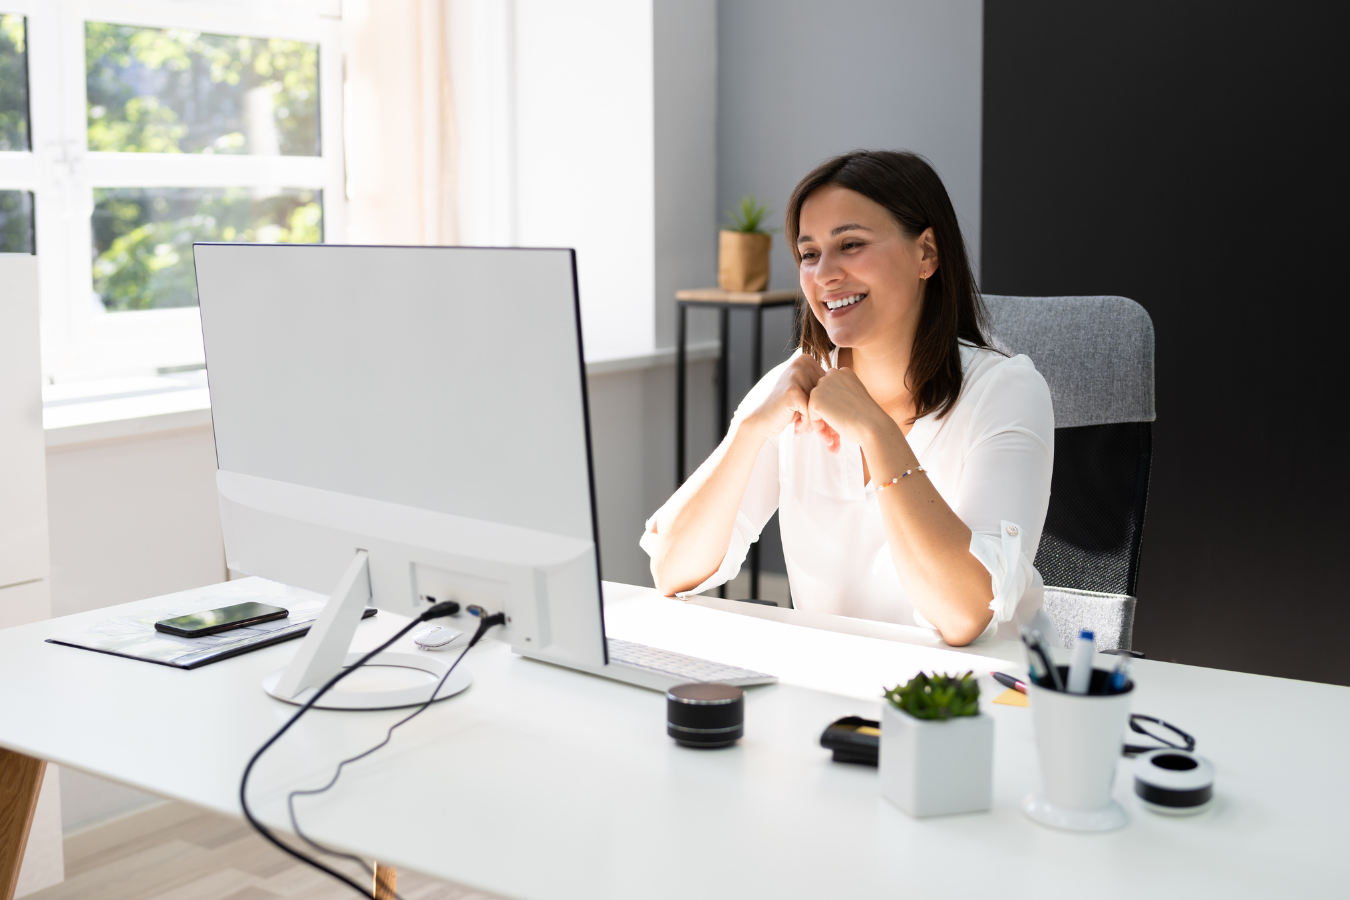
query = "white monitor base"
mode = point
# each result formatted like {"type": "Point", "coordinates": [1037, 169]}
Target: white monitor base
{"type": "Point", "coordinates": [389, 681]}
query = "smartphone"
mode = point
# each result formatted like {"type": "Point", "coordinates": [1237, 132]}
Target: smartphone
{"type": "Point", "coordinates": [212, 621]}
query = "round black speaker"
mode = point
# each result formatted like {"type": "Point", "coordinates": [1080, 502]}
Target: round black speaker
{"type": "Point", "coordinates": [705, 715]}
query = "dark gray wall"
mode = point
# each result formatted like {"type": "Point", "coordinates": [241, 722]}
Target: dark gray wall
{"type": "Point", "coordinates": [1190, 156]}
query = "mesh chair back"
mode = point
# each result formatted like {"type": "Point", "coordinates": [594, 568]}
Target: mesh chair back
{"type": "Point", "coordinates": [1096, 354]}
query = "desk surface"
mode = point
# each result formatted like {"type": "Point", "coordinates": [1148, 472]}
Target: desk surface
{"type": "Point", "coordinates": [542, 782]}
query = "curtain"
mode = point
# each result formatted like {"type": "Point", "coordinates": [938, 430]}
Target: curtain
{"type": "Point", "coordinates": [399, 119]}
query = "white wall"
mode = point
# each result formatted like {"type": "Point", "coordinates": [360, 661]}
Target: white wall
{"type": "Point", "coordinates": [803, 80]}
{"type": "Point", "coordinates": [591, 124]}
{"type": "Point", "coordinates": [133, 518]}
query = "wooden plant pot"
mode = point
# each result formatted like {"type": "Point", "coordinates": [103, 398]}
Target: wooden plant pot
{"type": "Point", "coordinates": [743, 261]}
{"type": "Point", "coordinates": [936, 768]}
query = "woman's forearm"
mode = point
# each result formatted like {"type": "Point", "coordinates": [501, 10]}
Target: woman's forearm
{"type": "Point", "coordinates": [929, 543]}
{"type": "Point", "coordinates": [694, 528]}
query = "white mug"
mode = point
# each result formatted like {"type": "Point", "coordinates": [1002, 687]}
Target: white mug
{"type": "Point", "coordinates": [1078, 742]}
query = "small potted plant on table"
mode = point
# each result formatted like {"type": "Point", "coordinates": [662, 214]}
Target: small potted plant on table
{"type": "Point", "coordinates": [937, 748]}
{"type": "Point", "coordinates": [743, 249]}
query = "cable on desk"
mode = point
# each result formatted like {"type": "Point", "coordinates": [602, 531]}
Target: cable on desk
{"type": "Point", "coordinates": [486, 622]}
{"type": "Point", "coordinates": [435, 612]}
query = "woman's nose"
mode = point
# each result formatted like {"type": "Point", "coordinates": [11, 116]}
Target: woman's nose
{"type": "Point", "coordinates": [828, 269]}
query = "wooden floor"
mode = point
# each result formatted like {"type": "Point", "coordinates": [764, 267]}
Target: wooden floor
{"type": "Point", "coordinates": [176, 852]}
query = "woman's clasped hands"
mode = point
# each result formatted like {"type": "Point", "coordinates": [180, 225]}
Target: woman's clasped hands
{"type": "Point", "coordinates": [830, 403]}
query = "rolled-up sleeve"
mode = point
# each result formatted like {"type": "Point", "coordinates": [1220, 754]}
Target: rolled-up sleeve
{"type": "Point", "coordinates": [1004, 489]}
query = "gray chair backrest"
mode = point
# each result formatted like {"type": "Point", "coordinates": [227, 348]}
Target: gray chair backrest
{"type": "Point", "coordinates": [1110, 617]}
{"type": "Point", "coordinates": [1096, 354]}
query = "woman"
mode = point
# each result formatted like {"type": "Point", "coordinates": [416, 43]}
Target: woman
{"type": "Point", "coordinates": [909, 460]}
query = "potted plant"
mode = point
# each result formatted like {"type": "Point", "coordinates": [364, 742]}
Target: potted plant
{"type": "Point", "coordinates": [743, 248]}
{"type": "Point", "coordinates": [937, 748]}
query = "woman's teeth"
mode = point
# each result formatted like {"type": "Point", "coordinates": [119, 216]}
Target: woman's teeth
{"type": "Point", "coordinates": [844, 301]}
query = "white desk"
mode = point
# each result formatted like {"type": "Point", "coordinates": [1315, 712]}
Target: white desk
{"type": "Point", "coordinates": [541, 782]}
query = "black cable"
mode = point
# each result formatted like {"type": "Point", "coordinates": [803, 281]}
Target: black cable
{"type": "Point", "coordinates": [484, 624]}
{"type": "Point", "coordinates": [435, 612]}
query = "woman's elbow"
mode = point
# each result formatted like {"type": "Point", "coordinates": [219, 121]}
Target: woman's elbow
{"type": "Point", "coordinates": [664, 585]}
{"type": "Point", "coordinates": [965, 629]}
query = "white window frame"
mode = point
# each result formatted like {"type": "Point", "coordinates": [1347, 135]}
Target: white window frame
{"type": "Point", "coordinates": [79, 340]}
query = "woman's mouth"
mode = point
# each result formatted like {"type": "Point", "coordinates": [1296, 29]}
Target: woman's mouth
{"type": "Point", "coordinates": [843, 304]}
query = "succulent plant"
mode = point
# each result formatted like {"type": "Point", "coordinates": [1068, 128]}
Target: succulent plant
{"type": "Point", "coordinates": [748, 217]}
{"type": "Point", "coordinates": [937, 696]}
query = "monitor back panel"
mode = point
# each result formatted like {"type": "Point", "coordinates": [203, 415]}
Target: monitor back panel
{"type": "Point", "coordinates": [444, 378]}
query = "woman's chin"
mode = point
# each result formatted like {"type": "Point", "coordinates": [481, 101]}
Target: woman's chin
{"type": "Point", "coordinates": [844, 336]}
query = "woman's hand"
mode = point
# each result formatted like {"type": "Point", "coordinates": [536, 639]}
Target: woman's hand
{"type": "Point", "coordinates": [840, 405]}
{"type": "Point", "coordinates": [790, 400]}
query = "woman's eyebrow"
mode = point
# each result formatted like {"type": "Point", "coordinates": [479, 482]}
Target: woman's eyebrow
{"type": "Point", "coordinates": [802, 239]}
{"type": "Point", "coordinates": [852, 226]}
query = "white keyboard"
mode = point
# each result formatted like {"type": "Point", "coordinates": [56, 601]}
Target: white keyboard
{"type": "Point", "coordinates": [677, 665]}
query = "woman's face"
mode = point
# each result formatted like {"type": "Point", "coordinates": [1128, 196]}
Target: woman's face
{"type": "Point", "coordinates": [860, 273]}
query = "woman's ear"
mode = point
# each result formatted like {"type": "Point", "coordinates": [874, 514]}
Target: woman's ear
{"type": "Point", "coordinates": [928, 253]}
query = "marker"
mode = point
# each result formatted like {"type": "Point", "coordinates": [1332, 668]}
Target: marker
{"type": "Point", "coordinates": [1080, 668]}
{"type": "Point", "coordinates": [1009, 681]}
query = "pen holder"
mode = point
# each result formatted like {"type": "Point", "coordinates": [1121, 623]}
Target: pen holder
{"type": "Point", "coordinates": [1078, 743]}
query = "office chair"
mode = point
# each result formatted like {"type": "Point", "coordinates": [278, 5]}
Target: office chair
{"type": "Point", "coordinates": [1096, 353]}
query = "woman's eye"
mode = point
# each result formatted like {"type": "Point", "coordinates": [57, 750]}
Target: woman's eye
{"type": "Point", "coordinates": [809, 255]}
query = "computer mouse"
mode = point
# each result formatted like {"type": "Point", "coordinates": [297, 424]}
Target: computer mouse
{"type": "Point", "coordinates": [437, 637]}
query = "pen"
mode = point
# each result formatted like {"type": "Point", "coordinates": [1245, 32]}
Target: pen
{"type": "Point", "coordinates": [1032, 639]}
{"type": "Point", "coordinates": [1009, 681]}
{"type": "Point", "coordinates": [1120, 674]}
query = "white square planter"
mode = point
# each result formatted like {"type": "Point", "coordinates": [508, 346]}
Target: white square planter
{"type": "Point", "coordinates": [935, 767]}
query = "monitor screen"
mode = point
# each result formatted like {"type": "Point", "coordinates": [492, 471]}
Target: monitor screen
{"type": "Point", "coordinates": [443, 378]}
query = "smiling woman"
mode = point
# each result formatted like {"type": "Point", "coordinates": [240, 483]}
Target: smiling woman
{"type": "Point", "coordinates": [909, 461]}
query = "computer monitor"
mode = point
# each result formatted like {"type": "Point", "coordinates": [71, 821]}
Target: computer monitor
{"type": "Point", "coordinates": [399, 426]}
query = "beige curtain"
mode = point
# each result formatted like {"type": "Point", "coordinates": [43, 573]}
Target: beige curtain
{"type": "Point", "coordinates": [399, 119]}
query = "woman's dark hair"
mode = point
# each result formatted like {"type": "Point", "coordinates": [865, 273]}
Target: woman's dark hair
{"type": "Point", "coordinates": [906, 185]}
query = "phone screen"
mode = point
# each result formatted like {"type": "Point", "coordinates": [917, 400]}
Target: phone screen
{"type": "Point", "coordinates": [222, 619]}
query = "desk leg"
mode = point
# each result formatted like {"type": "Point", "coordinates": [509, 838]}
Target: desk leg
{"type": "Point", "coordinates": [756, 371]}
{"type": "Point", "coordinates": [20, 782]}
{"type": "Point", "coordinates": [386, 882]}
{"type": "Point", "coordinates": [723, 386]}
{"type": "Point", "coordinates": [682, 319]}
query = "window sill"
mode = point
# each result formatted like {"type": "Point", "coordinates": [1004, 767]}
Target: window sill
{"type": "Point", "coordinates": [131, 408]}
{"type": "Point", "coordinates": [117, 409]}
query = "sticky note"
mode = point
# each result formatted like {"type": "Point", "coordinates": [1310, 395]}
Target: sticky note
{"type": "Point", "coordinates": [1011, 697]}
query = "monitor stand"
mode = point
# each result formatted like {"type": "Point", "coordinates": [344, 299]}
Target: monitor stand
{"type": "Point", "coordinates": [388, 681]}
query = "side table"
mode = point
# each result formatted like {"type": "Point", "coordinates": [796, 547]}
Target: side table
{"type": "Point", "coordinates": [724, 302]}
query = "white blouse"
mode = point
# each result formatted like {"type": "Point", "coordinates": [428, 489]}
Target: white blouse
{"type": "Point", "coordinates": [990, 458]}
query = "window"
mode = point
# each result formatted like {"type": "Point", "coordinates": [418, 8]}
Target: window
{"type": "Point", "coordinates": [130, 129]}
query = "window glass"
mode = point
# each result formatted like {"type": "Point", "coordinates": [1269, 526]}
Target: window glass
{"type": "Point", "coordinates": [13, 83]}
{"type": "Point", "coordinates": [143, 236]}
{"type": "Point", "coordinates": [156, 90]}
{"type": "Point", "coordinates": [16, 222]}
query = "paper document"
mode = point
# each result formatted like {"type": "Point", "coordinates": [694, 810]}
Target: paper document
{"type": "Point", "coordinates": [134, 636]}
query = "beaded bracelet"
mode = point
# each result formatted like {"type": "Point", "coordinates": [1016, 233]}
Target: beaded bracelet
{"type": "Point", "coordinates": [896, 480]}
